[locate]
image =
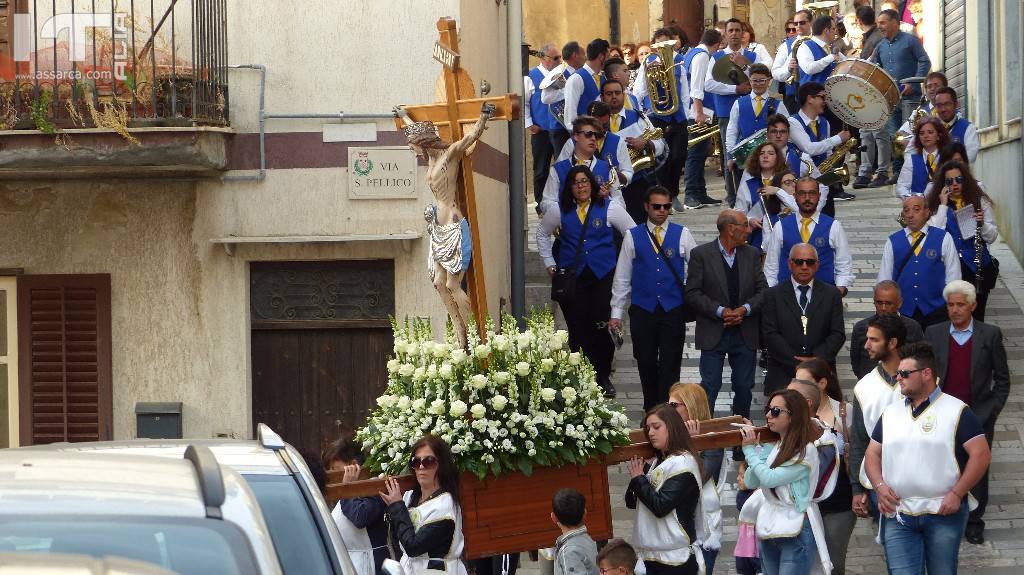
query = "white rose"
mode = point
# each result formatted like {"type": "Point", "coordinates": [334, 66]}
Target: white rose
{"type": "Point", "coordinates": [478, 411]}
{"type": "Point", "coordinates": [446, 371]}
{"type": "Point", "coordinates": [404, 402]}
{"type": "Point", "coordinates": [523, 368]}
{"type": "Point", "coordinates": [459, 356]}
{"type": "Point", "coordinates": [500, 342]}
{"type": "Point", "coordinates": [502, 377]}
{"type": "Point", "coordinates": [569, 393]}
{"type": "Point", "coordinates": [548, 394]}
{"type": "Point", "coordinates": [436, 407]}
{"type": "Point", "coordinates": [458, 408]}
{"type": "Point", "coordinates": [498, 402]}
{"type": "Point", "coordinates": [555, 342]}
{"type": "Point", "coordinates": [563, 337]}
{"type": "Point", "coordinates": [431, 371]}
{"type": "Point", "coordinates": [440, 350]}
{"type": "Point", "coordinates": [406, 369]}
{"type": "Point", "coordinates": [575, 358]}
{"type": "Point", "coordinates": [547, 365]}
{"type": "Point", "coordinates": [523, 339]}
{"type": "Point", "coordinates": [419, 374]}
{"type": "Point", "coordinates": [481, 351]}
{"type": "Point", "coordinates": [386, 401]}
{"type": "Point", "coordinates": [427, 347]}
{"type": "Point", "coordinates": [393, 365]}
{"type": "Point", "coordinates": [478, 381]}
{"type": "Point", "coordinates": [418, 403]}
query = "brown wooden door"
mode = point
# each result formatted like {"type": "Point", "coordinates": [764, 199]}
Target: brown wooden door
{"type": "Point", "coordinates": [64, 380]}
{"type": "Point", "coordinates": [320, 342]}
{"type": "Point", "coordinates": [687, 14]}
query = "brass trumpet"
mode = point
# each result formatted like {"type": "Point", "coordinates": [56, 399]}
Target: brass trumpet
{"type": "Point", "coordinates": [700, 132]}
{"type": "Point", "coordinates": [643, 159]}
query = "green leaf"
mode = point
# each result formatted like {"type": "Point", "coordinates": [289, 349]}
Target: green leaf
{"type": "Point", "coordinates": [496, 467]}
{"type": "Point", "coordinates": [542, 458]}
{"type": "Point", "coordinates": [603, 446]}
{"type": "Point", "coordinates": [567, 455]}
{"type": "Point", "coordinates": [525, 466]}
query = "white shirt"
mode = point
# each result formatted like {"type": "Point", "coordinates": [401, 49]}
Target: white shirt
{"type": "Point", "coordinates": [763, 56]}
{"type": "Point", "coordinates": [904, 184]}
{"type": "Point", "coordinates": [989, 230]}
{"type": "Point", "coordinates": [950, 257]}
{"type": "Point", "coordinates": [756, 210]}
{"type": "Point", "coordinates": [732, 132]}
{"type": "Point", "coordinates": [573, 93]}
{"type": "Point", "coordinates": [553, 187]}
{"type": "Point", "coordinates": [698, 71]}
{"type": "Point", "coordinates": [621, 153]}
{"type": "Point", "coordinates": [551, 94]}
{"type": "Point", "coordinates": [716, 87]}
{"type": "Point", "coordinates": [843, 261]}
{"type": "Point", "coordinates": [780, 66]}
{"type": "Point", "coordinates": [799, 136]}
{"type": "Point", "coordinates": [796, 292]}
{"type": "Point", "coordinates": [618, 218]}
{"type": "Point", "coordinates": [528, 89]}
{"type": "Point", "coordinates": [639, 89]}
{"type": "Point", "coordinates": [805, 58]}
{"type": "Point", "coordinates": [636, 129]}
{"type": "Point", "coordinates": [622, 286]}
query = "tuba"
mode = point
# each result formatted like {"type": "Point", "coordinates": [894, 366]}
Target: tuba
{"type": "Point", "coordinates": [818, 9]}
{"type": "Point", "coordinates": [661, 79]}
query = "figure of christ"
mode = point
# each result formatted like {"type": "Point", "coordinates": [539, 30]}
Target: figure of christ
{"type": "Point", "coordinates": [450, 246]}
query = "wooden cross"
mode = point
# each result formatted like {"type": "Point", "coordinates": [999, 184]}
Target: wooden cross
{"type": "Point", "coordinates": [449, 117]}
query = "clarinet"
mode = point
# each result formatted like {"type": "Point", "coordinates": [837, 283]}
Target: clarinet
{"type": "Point", "coordinates": [979, 245]}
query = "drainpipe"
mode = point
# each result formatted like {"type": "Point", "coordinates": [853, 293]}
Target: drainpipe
{"type": "Point", "coordinates": [517, 166]}
{"type": "Point", "coordinates": [613, 22]}
{"type": "Point", "coordinates": [261, 175]}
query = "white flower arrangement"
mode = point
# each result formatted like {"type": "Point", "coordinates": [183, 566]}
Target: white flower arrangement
{"type": "Point", "coordinates": [517, 401]}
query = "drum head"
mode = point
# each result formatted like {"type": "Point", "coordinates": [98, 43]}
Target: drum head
{"type": "Point", "coordinates": [857, 102]}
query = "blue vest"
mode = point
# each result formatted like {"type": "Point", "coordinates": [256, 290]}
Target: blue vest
{"type": "Point", "coordinates": [822, 135]}
{"type": "Point", "coordinates": [653, 282]}
{"type": "Point", "coordinates": [959, 129]}
{"type": "Point", "coordinates": [709, 98]}
{"type": "Point", "coordinates": [819, 239]}
{"type": "Point", "coordinates": [818, 53]}
{"type": "Point", "coordinates": [609, 148]}
{"type": "Point", "coordinates": [679, 116]}
{"type": "Point", "coordinates": [591, 92]}
{"type": "Point", "coordinates": [789, 89]}
{"type": "Point", "coordinates": [598, 244]}
{"type": "Point", "coordinates": [793, 159]}
{"type": "Point", "coordinates": [724, 102]}
{"type": "Point", "coordinates": [628, 118]}
{"type": "Point", "coordinates": [965, 247]}
{"type": "Point", "coordinates": [539, 110]}
{"type": "Point", "coordinates": [601, 170]}
{"type": "Point", "coordinates": [924, 277]}
{"type": "Point", "coordinates": [757, 236]}
{"type": "Point", "coordinates": [749, 123]}
{"type": "Point", "coordinates": [922, 173]}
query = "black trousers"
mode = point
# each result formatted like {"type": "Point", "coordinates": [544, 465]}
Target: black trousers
{"type": "Point", "coordinates": [829, 209]}
{"type": "Point", "coordinates": [938, 316]}
{"type": "Point", "coordinates": [587, 319]}
{"type": "Point", "coordinates": [540, 145]}
{"type": "Point", "coordinates": [982, 295]}
{"type": "Point", "coordinates": [688, 568]}
{"type": "Point", "coordinates": [980, 490]}
{"type": "Point", "coordinates": [676, 138]}
{"type": "Point", "coordinates": [633, 195]}
{"type": "Point", "coordinates": [730, 182]}
{"type": "Point", "coordinates": [492, 565]}
{"type": "Point", "coordinates": [559, 137]}
{"type": "Point", "coordinates": [658, 348]}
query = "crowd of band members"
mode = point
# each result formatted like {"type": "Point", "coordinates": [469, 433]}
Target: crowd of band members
{"type": "Point", "coordinates": [775, 276]}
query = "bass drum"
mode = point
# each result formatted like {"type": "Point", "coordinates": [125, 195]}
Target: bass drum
{"type": "Point", "coordinates": [861, 94]}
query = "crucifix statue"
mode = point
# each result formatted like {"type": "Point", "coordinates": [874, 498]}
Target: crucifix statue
{"type": "Point", "coordinates": [451, 221]}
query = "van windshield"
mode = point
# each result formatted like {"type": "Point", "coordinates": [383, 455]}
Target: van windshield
{"type": "Point", "coordinates": [183, 545]}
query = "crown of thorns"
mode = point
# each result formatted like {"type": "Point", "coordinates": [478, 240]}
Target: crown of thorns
{"type": "Point", "coordinates": [420, 130]}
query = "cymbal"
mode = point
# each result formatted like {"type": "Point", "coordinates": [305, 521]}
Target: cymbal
{"type": "Point", "coordinates": [728, 72]}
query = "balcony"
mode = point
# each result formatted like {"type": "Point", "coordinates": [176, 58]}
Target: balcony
{"type": "Point", "coordinates": [126, 88]}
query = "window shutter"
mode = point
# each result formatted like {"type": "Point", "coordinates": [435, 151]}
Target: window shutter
{"type": "Point", "coordinates": [65, 387]}
{"type": "Point", "coordinates": [955, 49]}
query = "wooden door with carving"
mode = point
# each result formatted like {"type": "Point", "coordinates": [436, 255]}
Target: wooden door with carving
{"type": "Point", "coordinates": [320, 342]}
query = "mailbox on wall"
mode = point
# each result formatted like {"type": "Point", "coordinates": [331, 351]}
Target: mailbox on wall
{"type": "Point", "coordinates": [159, 420]}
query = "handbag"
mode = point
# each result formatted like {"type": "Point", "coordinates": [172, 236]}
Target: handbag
{"type": "Point", "coordinates": [563, 283]}
{"type": "Point", "coordinates": [689, 314]}
{"type": "Point", "coordinates": [989, 275]}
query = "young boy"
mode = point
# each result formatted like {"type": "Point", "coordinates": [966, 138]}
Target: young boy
{"type": "Point", "coordinates": [617, 558]}
{"type": "Point", "coordinates": [575, 551]}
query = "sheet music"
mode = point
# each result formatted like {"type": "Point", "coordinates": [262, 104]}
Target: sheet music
{"type": "Point", "coordinates": [965, 219]}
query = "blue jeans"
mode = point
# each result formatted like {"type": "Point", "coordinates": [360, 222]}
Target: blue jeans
{"type": "Point", "coordinates": [741, 359]}
{"type": "Point", "coordinates": [924, 540]}
{"type": "Point", "coordinates": [789, 555]}
{"type": "Point", "coordinates": [709, 560]}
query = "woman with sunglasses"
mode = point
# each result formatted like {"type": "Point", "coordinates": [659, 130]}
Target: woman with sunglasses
{"type": "Point", "coordinates": [958, 190]}
{"type": "Point", "coordinates": [585, 221]}
{"type": "Point", "coordinates": [426, 520]}
{"type": "Point", "coordinates": [691, 403]}
{"type": "Point", "coordinates": [786, 519]}
{"type": "Point", "coordinates": [764, 163]}
{"type": "Point", "coordinates": [836, 509]}
{"type": "Point", "coordinates": [923, 158]}
{"type": "Point", "coordinates": [666, 496]}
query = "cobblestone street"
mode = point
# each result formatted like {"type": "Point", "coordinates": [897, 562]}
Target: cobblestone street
{"type": "Point", "coordinates": [867, 220]}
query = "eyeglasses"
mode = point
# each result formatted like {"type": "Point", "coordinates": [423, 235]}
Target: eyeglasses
{"type": "Point", "coordinates": [803, 262]}
{"type": "Point", "coordinates": [759, 79]}
{"type": "Point", "coordinates": [775, 411]}
{"type": "Point", "coordinates": [428, 462]}
{"type": "Point", "coordinates": [661, 206]}
{"type": "Point", "coordinates": [905, 373]}
{"type": "Point", "coordinates": [790, 30]}
{"type": "Point", "coordinates": [954, 180]}
{"type": "Point", "coordinates": [591, 134]}
{"type": "Point", "coordinates": [778, 132]}
{"type": "Point", "coordinates": [553, 58]}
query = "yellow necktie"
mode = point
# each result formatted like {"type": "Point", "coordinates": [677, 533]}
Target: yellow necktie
{"type": "Point", "coordinates": [597, 80]}
{"type": "Point", "coordinates": [626, 103]}
{"type": "Point", "coordinates": [581, 211]}
{"type": "Point", "coordinates": [615, 123]}
{"type": "Point", "coordinates": [931, 163]}
{"type": "Point", "coordinates": [913, 240]}
{"type": "Point", "coordinates": [814, 128]}
{"type": "Point", "coordinates": [805, 229]}
{"type": "Point", "coordinates": [957, 203]}
{"type": "Point", "coordinates": [757, 106]}
{"type": "Point", "coordinates": [766, 181]}
{"type": "Point", "coordinates": [657, 237]}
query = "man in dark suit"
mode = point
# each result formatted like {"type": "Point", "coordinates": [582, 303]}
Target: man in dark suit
{"type": "Point", "coordinates": [801, 319]}
{"type": "Point", "coordinates": [724, 285]}
{"type": "Point", "coordinates": [887, 300]}
{"type": "Point", "coordinates": [970, 361]}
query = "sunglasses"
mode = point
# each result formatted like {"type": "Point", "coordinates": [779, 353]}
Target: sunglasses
{"type": "Point", "coordinates": [790, 30]}
{"type": "Point", "coordinates": [775, 411]}
{"type": "Point", "coordinates": [554, 58]}
{"type": "Point", "coordinates": [591, 134]}
{"type": "Point", "coordinates": [428, 462]}
{"type": "Point", "coordinates": [954, 180]}
{"type": "Point", "coordinates": [803, 262]}
{"type": "Point", "coordinates": [801, 22]}
{"type": "Point", "coordinates": [905, 373]}
{"type": "Point", "coordinates": [661, 206]}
